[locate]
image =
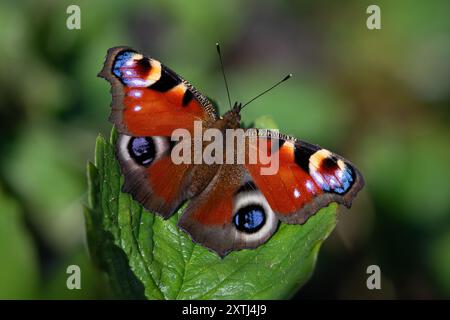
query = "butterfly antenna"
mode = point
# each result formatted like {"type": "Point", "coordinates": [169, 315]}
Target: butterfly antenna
{"type": "Point", "coordinates": [223, 73]}
{"type": "Point", "coordinates": [264, 92]}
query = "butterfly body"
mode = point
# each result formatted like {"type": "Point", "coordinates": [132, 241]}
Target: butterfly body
{"type": "Point", "coordinates": [231, 204]}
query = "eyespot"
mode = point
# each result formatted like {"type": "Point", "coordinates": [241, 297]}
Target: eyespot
{"type": "Point", "coordinates": [142, 150]}
{"type": "Point", "coordinates": [330, 173]}
{"type": "Point", "coordinates": [253, 218]}
{"type": "Point", "coordinates": [123, 59]}
{"type": "Point", "coordinates": [250, 218]}
{"type": "Point", "coordinates": [135, 70]}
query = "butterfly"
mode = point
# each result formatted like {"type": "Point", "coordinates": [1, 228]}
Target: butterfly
{"type": "Point", "coordinates": [230, 206]}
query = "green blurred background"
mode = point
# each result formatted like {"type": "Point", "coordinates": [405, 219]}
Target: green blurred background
{"type": "Point", "coordinates": [378, 97]}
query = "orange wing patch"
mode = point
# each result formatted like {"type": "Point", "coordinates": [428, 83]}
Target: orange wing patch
{"type": "Point", "coordinates": [148, 112]}
{"type": "Point", "coordinates": [290, 188]}
{"type": "Point", "coordinates": [160, 173]}
{"type": "Point", "coordinates": [149, 99]}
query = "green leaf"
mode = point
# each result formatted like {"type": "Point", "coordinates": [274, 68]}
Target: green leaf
{"type": "Point", "coordinates": [145, 256]}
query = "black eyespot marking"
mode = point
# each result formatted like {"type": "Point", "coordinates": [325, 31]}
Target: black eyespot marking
{"type": "Point", "coordinates": [329, 163]}
{"type": "Point", "coordinates": [248, 186]}
{"type": "Point", "coordinates": [142, 150]}
{"type": "Point", "coordinates": [143, 67]}
{"type": "Point", "coordinates": [281, 143]}
{"type": "Point", "coordinates": [168, 80]}
{"type": "Point", "coordinates": [303, 152]}
{"type": "Point", "coordinates": [187, 97]}
{"type": "Point", "coordinates": [250, 219]}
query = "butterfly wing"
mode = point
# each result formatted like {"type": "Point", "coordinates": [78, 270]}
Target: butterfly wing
{"type": "Point", "coordinates": [230, 213]}
{"type": "Point", "coordinates": [308, 178]}
{"type": "Point", "coordinates": [149, 99]}
{"type": "Point", "coordinates": [146, 164]}
{"type": "Point", "coordinates": [241, 208]}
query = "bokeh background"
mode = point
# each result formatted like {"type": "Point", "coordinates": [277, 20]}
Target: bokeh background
{"type": "Point", "coordinates": [378, 97]}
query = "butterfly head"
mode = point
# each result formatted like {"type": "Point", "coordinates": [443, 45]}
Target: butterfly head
{"type": "Point", "coordinates": [233, 116]}
{"type": "Point", "coordinates": [237, 107]}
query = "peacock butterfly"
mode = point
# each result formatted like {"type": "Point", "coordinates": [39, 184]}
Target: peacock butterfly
{"type": "Point", "coordinates": [231, 205]}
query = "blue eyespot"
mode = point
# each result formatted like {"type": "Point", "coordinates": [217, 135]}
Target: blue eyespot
{"type": "Point", "coordinates": [339, 181]}
{"type": "Point", "coordinates": [345, 180]}
{"type": "Point", "coordinates": [131, 71]}
{"type": "Point", "coordinates": [142, 150]}
{"type": "Point", "coordinates": [250, 219]}
{"type": "Point", "coordinates": [120, 61]}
